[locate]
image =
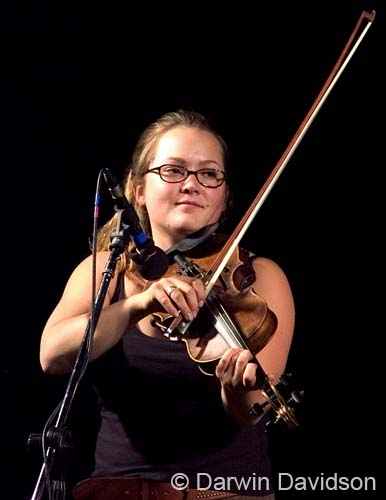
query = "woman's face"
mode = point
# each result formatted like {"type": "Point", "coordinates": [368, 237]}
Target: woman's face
{"type": "Point", "coordinates": [178, 209]}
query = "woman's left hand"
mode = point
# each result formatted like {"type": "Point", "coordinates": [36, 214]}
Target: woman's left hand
{"type": "Point", "coordinates": [235, 370]}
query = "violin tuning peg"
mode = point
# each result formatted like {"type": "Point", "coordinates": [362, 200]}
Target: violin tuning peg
{"type": "Point", "coordinates": [297, 396]}
{"type": "Point", "coordinates": [257, 409]}
{"type": "Point", "coordinates": [286, 379]}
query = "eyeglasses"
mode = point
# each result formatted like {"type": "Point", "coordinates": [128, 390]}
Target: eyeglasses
{"type": "Point", "coordinates": [207, 177]}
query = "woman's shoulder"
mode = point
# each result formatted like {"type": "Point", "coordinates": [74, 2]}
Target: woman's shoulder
{"type": "Point", "coordinates": [100, 259]}
{"type": "Point", "coordinates": [267, 266]}
{"type": "Point", "coordinates": [84, 270]}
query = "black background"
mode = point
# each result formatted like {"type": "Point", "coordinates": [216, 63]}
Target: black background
{"type": "Point", "coordinates": [78, 85]}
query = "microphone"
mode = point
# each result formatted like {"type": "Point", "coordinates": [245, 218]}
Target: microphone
{"type": "Point", "coordinates": [152, 262]}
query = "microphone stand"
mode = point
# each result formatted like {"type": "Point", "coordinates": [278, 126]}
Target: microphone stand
{"type": "Point", "coordinates": [58, 438]}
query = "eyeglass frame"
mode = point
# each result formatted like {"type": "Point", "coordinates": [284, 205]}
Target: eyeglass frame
{"type": "Point", "coordinates": [157, 170]}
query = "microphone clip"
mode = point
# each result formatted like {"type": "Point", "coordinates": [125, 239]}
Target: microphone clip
{"type": "Point", "coordinates": [121, 236]}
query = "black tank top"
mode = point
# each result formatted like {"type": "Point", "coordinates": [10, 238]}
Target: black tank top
{"type": "Point", "coordinates": [160, 415]}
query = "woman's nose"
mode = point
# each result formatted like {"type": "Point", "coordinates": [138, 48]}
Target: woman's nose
{"type": "Point", "coordinates": [191, 182]}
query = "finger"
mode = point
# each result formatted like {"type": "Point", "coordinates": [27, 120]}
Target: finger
{"type": "Point", "coordinates": [240, 365]}
{"type": "Point", "coordinates": [186, 297]}
{"type": "Point", "coordinates": [180, 301]}
{"type": "Point", "coordinates": [172, 299]}
{"type": "Point", "coordinates": [163, 296]}
{"type": "Point", "coordinates": [193, 292]}
{"type": "Point", "coordinates": [198, 285]}
{"type": "Point", "coordinates": [169, 290]}
{"type": "Point", "coordinates": [249, 377]}
{"type": "Point", "coordinates": [236, 370]}
{"type": "Point", "coordinates": [225, 365]}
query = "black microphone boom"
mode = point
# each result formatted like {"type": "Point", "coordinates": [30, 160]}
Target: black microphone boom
{"type": "Point", "coordinates": [152, 262]}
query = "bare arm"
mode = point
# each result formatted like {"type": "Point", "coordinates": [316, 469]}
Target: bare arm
{"type": "Point", "coordinates": [65, 328]}
{"type": "Point", "coordinates": [236, 374]}
{"type": "Point", "coordinates": [67, 323]}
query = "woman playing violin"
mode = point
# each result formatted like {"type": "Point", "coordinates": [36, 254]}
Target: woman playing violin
{"type": "Point", "coordinates": [167, 428]}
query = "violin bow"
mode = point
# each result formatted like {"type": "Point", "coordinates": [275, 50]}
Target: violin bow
{"type": "Point", "coordinates": [213, 273]}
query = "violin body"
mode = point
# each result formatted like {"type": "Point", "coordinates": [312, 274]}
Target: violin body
{"type": "Point", "coordinates": [233, 294]}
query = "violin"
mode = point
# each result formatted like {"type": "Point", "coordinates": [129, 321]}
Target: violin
{"type": "Point", "coordinates": [233, 315]}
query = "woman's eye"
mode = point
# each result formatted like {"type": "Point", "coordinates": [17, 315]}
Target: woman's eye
{"type": "Point", "coordinates": [174, 170]}
{"type": "Point", "coordinates": [210, 174]}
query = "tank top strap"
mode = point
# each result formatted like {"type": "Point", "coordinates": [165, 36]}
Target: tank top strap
{"type": "Point", "coordinates": [119, 292]}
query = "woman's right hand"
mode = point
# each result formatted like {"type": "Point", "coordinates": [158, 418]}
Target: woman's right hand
{"type": "Point", "coordinates": [175, 294]}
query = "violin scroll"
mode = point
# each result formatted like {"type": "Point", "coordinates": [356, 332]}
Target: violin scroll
{"type": "Point", "coordinates": [280, 401]}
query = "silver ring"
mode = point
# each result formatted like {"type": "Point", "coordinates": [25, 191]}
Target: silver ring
{"type": "Point", "coordinates": [170, 289]}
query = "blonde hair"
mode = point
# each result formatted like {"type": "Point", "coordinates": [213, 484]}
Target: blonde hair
{"type": "Point", "coordinates": [140, 162]}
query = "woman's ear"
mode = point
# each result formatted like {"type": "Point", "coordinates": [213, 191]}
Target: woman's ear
{"type": "Point", "coordinates": [139, 194]}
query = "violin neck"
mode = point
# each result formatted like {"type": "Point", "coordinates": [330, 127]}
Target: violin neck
{"type": "Point", "coordinates": [224, 323]}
